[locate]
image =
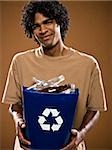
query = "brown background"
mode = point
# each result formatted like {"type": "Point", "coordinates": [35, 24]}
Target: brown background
{"type": "Point", "coordinates": [90, 31]}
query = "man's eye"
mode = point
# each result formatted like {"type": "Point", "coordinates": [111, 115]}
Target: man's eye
{"type": "Point", "coordinates": [35, 26]}
{"type": "Point", "coordinates": [49, 22]}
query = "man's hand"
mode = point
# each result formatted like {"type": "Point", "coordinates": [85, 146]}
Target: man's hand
{"type": "Point", "coordinates": [71, 144]}
{"type": "Point", "coordinates": [76, 138]}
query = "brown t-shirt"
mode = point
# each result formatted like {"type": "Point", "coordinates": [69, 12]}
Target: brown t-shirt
{"type": "Point", "coordinates": [77, 67]}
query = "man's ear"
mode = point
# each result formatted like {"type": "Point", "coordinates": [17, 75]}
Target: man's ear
{"type": "Point", "coordinates": [58, 26]}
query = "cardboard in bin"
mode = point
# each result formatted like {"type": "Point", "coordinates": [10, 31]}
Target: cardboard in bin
{"type": "Point", "coordinates": [49, 118]}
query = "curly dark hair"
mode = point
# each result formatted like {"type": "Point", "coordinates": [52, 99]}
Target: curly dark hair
{"type": "Point", "coordinates": [51, 9]}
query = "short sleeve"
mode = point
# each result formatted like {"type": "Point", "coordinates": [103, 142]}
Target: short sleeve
{"type": "Point", "coordinates": [12, 92]}
{"type": "Point", "coordinates": [96, 98]}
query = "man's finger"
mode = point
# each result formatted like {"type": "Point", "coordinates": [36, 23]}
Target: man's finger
{"type": "Point", "coordinates": [70, 146]}
{"type": "Point", "coordinates": [21, 123]}
{"type": "Point", "coordinates": [24, 141]}
{"type": "Point", "coordinates": [21, 137]}
{"type": "Point", "coordinates": [74, 132]}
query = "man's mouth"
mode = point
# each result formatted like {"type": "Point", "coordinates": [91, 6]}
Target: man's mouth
{"type": "Point", "coordinates": [45, 38]}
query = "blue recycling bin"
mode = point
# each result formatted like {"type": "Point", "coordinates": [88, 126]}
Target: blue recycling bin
{"type": "Point", "coordinates": [49, 118]}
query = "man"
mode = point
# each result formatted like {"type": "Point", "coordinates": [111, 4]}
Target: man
{"type": "Point", "coordinates": [47, 22]}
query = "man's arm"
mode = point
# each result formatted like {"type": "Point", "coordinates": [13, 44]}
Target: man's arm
{"type": "Point", "coordinates": [17, 114]}
{"type": "Point", "coordinates": [88, 122]}
{"type": "Point", "coordinates": [89, 119]}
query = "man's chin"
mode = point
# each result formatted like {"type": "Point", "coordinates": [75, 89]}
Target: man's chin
{"type": "Point", "coordinates": [49, 45]}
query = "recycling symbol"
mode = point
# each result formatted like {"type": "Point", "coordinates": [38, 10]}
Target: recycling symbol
{"type": "Point", "coordinates": [43, 119]}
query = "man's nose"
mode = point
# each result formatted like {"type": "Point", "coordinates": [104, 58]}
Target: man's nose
{"type": "Point", "coordinates": [43, 29]}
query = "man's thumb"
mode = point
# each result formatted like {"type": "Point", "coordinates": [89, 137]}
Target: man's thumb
{"type": "Point", "coordinates": [74, 132]}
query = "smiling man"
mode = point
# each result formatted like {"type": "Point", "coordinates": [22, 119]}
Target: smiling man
{"type": "Point", "coordinates": [46, 30]}
{"type": "Point", "coordinates": [47, 22]}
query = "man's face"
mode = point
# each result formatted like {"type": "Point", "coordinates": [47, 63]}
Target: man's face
{"type": "Point", "coordinates": [46, 30]}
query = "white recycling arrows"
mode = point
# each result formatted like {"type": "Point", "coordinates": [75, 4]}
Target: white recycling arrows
{"type": "Point", "coordinates": [54, 112]}
{"type": "Point", "coordinates": [46, 112]}
{"type": "Point", "coordinates": [55, 127]}
{"type": "Point", "coordinates": [42, 119]}
{"type": "Point", "coordinates": [45, 127]}
{"type": "Point", "coordinates": [59, 120]}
